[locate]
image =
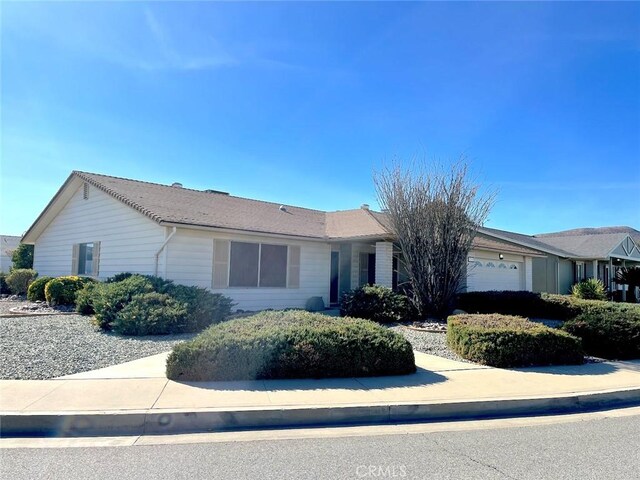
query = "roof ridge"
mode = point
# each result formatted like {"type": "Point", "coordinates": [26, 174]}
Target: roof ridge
{"type": "Point", "coordinates": [203, 192]}
{"type": "Point", "coordinates": [376, 220]}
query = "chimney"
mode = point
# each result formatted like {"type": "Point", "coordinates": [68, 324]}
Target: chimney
{"type": "Point", "coordinates": [364, 206]}
{"type": "Point", "coordinates": [176, 184]}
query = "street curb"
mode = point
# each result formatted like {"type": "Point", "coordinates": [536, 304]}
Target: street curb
{"type": "Point", "coordinates": [158, 422]}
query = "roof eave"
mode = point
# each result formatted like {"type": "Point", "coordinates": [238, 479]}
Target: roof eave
{"type": "Point", "coordinates": [210, 228]}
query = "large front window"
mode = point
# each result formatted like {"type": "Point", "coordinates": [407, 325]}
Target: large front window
{"type": "Point", "coordinates": [257, 265]}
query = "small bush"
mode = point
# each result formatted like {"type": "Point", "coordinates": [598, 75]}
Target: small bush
{"type": "Point", "coordinates": [35, 292]}
{"type": "Point", "coordinates": [151, 314]}
{"type": "Point", "coordinates": [203, 307]}
{"type": "Point", "coordinates": [525, 304]}
{"type": "Point", "coordinates": [608, 334]}
{"type": "Point", "coordinates": [84, 298]}
{"type": "Point", "coordinates": [19, 280]}
{"type": "Point", "coordinates": [118, 277]}
{"type": "Point", "coordinates": [4, 288]}
{"type": "Point", "coordinates": [291, 344]}
{"type": "Point", "coordinates": [590, 289]}
{"type": "Point", "coordinates": [377, 303]}
{"type": "Point", "coordinates": [63, 290]}
{"type": "Point", "coordinates": [110, 298]}
{"type": "Point", "coordinates": [507, 341]}
{"type": "Point", "coordinates": [22, 257]}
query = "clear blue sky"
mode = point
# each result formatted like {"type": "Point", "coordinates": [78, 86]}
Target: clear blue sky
{"type": "Point", "coordinates": [299, 103]}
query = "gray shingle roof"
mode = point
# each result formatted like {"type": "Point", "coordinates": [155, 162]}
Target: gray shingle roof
{"type": "Point", "coordinates": [178, 205]}
{"type": "Point", "coordinates": [527, 240]}
{"type": "Point", "coordinates": [183, 206]}
{"type": "Point", "coordinates": [595, 246]}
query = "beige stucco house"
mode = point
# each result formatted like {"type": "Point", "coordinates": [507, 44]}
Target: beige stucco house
{"type": "Point", "coordinates": [261, 254]}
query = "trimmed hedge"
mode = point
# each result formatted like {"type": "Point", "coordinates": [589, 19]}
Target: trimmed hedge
{"type": "Point", "coordinates": [377, 303]}
{"type": "Point", "coordinates": [151, 314]}
{"type": "Point", "coordinates": [85, 297]}
{"type": "Point", "coordinates": [149, 305]}
{"type": "Point", "coordinates": [4, 288]}
{"type": "Point", "coordinates": [109, 298]}
{"type": "Point", "coordinates": [508, 341]}
{"type": "Point", "coordinates": [524, 304]}
{"type": "Point", "coordinates": [19, 280]}
{"type": "Point", "coordinates": [35, 292]}
{"type": "Point", "coordinates": [611, 335]}
{"type": "Point", "coordinates": [291, 344]}
{"type": "Point", "coordinates": [63, 290]}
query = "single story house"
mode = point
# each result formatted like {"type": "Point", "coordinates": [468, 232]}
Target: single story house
{"type": "Point", "coordinates": [261, 254]}
{"type": "Point", "coordinates": [8, 244]}
{"type": "Point", "coordinates": [575, 255]}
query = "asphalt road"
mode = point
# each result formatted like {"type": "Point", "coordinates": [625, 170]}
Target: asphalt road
{"type": "Point", "coordinates": [605, 448]}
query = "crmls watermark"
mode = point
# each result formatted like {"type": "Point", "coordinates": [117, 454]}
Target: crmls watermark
{"type": "Point", "coordinates": [381, 471]}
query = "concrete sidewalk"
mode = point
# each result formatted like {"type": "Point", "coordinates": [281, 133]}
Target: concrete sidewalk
{"type": "Point", "coordinates": [136, 397]}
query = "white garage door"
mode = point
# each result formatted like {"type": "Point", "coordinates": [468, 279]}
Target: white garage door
{"type": "Point", "coordinates": [483, 275]}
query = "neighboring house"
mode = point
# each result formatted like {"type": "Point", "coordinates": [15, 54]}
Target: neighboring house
{"type": "Point", "coordinates": [575, 255]}
{"type": "Point", "coordinates": [8, 243]}
{"type": "Point", "coordinates": [261, 254]}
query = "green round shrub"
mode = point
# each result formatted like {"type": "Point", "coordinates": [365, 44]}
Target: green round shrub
{"type": "Point", "coordinates": [19, 280]}
{"type": "Point", "coordinates": [377, 303]}
{"type": "Point", "coordinates": [151, 314]}
{"type": "Point", "coordinates": [519, 303]}
{"type": "Point", "coordinates": [204, 308]}
{"type": "Point", "coordinates": [608, 333]}
{"type": "Point", "coordinates": [62, 290]}
{"type": "Point", "coordinates": [84, 298]}
{"type": "Point", "coordinates": [291, 344]}
{"type": "Point", "coordinates": [109, 298]}
{"type": "Point", "coordinates": [35, 292]}
{"type": "Point", "coordinates": [4, 288]}
{"type": "Point", "coordinates": [506, 341]}
{"type": "Point", "coordinates": [590, 289]}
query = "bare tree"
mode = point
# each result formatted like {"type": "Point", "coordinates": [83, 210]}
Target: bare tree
{"type": "Point", "coordinates": [434, 214]}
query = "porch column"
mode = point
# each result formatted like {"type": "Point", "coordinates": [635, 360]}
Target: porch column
{"type": "Point", "coordinates": [528, 274]}
{"type": "Point", "coordinates": [624, 290]}
{"type": "Point", "coordinates": [595, 269]}
{"type": "Point", "coordinates": [384, 264]}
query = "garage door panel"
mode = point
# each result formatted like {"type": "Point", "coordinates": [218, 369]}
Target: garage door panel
{"type": "Point", "coordinates": [484, 275]}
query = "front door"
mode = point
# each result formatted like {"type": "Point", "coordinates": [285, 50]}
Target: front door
{"type": "Point", "coordinates": [335, 277]}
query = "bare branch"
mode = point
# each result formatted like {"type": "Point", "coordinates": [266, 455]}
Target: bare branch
{"type": "Point", "coordinates": [434, 212]}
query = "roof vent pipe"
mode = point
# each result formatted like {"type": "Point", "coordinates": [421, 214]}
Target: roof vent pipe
{"type": "Point", "coordinates": [282, 208]}
{"type": "Point", "coordinates": [364, 206]}
{"type": "Point", "coordinates": [176, 184]}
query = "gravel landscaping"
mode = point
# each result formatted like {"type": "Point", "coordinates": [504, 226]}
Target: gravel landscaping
{"type": "Point", "coordinates": [428, 342]}
{"type": "Point", "coordinates": [56, 345]}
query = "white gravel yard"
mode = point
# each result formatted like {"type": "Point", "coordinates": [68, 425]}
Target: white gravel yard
{"type": "Point", "coordinates": [56, 345]}
{"type": "Point", "coordinates": [427, 342]}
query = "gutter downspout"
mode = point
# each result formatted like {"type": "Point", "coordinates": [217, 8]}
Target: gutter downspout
{"type": "Point", "coordinates": [173, 232]}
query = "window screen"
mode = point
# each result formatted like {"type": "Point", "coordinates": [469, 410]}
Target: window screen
{"type": "Point", "coordinates": [273, 266]}
{"type": "Point", "coordinates": [85, 259]}
{"type": "Point", "coordinates": [243, 270]}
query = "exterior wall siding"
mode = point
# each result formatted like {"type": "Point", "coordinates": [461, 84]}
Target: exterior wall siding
{"type": "Point", "coordinates": [544, 271]}
{"type": "Point", "coordinates": [129, 240]}
{"type": "Point", "coordinates": [566, 276]}
{"type": "Point", "coordinates": [189, 261]}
